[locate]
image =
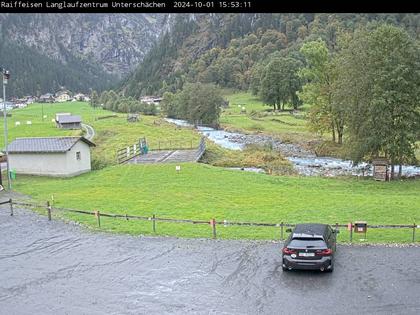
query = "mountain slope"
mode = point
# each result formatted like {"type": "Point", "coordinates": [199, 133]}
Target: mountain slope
{"type": "Point", "coordinates": [223, 48]}
{"type": "Point", "coordinates": [93, 49]}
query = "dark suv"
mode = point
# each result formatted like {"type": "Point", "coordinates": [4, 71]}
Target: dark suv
{"type": "Point", "coordinates": [310, 246]}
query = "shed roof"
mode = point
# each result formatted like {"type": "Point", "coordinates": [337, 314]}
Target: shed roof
{"type": "Point", "coordinates": [45, 145]}
{"type": "Point", "coordinates": [69, 119]}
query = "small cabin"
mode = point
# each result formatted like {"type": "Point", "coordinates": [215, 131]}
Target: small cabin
{"type": "Point", "coordinates": [380, 169]}
{"type": "Point", "coordinates": [68, 121]}
{"type": "Point", "coordinates": [50, 156]}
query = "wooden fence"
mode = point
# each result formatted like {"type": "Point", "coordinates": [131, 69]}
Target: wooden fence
{"type": "Point", "coordinates": [212, 223]}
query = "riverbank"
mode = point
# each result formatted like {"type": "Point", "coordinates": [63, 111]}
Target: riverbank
{"type": "Point", "coordinates": [304, 161]}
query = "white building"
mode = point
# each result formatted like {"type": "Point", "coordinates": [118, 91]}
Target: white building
{"type": "Point", "coordinates": [53, 156]}
{"type": "Point", "coordinates": [62, 97]}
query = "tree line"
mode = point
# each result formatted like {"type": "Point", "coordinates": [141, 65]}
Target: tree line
{"type": "Point", "coordinates": [117, 102]}
{"type": "Point", "coordinates": [197, 103]}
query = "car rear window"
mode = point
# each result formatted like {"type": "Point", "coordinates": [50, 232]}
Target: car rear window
{"type": "Point", "coordinates": [307, 242]}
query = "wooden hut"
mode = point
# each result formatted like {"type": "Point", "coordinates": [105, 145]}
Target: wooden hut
{"type": "Point", "coordinates": [380, 169]}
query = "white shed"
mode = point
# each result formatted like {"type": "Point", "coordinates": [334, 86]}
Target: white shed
{"type": "Point", "coordinates": [52, 156]}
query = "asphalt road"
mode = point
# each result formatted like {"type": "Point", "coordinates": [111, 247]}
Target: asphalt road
{"type": "Point", "coordinates": [90, 132]}
{"type": "Point", "coordinates": [58, 268]}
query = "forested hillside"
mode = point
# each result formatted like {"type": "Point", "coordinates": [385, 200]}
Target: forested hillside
{"type": "Point", "coordinates": [230, 49]}
{"type": "Point", "coordinates": [34, 74]}
{"type": "Point", "coordinates": [78, 51]}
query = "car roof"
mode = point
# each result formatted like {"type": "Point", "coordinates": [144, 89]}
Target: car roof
{"type": "Point", "coordinates": [310, 229]}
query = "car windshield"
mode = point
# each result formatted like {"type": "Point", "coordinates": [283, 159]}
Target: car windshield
{"type": "Point", "coordinates": [307, 242]}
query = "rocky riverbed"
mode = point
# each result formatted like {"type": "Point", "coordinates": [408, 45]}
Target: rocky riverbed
{"type": "Point", "coordinates": [304, 161]}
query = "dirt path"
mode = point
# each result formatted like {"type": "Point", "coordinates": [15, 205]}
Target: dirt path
{"type": "Point", "coordinates": [58, 268]}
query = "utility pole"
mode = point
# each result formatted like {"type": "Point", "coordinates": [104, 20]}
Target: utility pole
{"type": "Point", "coordinates": [6, 76]}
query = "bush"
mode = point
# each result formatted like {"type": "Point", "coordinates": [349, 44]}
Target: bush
{"type": "Point", "coordinates": [98, 163]}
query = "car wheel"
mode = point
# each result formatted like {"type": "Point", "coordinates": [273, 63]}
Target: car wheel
{"type": "Point", "coordinates": [332, 268]}
{"type": "Point", "coordinates": [285, 268]}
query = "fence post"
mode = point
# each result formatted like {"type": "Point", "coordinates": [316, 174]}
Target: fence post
{"type": "Point", "coordinates": [351, 232]}
{"type": "Point", "coordinates": [11, 206]}
{"type": "Point", "coordinates": [49, 210]}
{"type": "Point", "coordinates": [154, 223]}
{"type": "Point", "coordinates": [281, 231]}
{"type": "Point", "coordinates": [414, 231]}
{"type": "Point", "coordinates": [213, 225]}
{"type": "Point", "coordinates": [98, 217]}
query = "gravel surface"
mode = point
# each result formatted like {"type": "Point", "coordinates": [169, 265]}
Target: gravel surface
{"type": "Point", "coordinates": [60, 268]}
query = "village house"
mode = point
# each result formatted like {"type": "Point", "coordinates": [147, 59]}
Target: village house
{"type": "Point", "coordinates": [46, 98]}
{"type": "Point", "coordinates": [151, 100]}
{"type": "Point", "coordinates": [29, 99]}
{"type": "Point", "coordinates": [62, 97]}
{"type": "Point", "coordinates": [68, 121]}
{"type": "Point", "coordinates": [81, 97]}
{"type": "Point", "coordinates": [50, 156]}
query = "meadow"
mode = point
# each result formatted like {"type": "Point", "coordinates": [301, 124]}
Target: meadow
{"type": "Point", "coordinates": [260, 118]}
{"type": "Point", "coordinates": [111, 133]}
{"type": "Point", "coordinates": [203, 192]}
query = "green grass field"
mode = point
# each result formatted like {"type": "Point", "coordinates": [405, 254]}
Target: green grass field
{"type": "Point", "coordinates": [258, 119]}
{"type": "Point", "coordinates": [111, 133]}
{"type": "Point", "coordinates": [203, 192]}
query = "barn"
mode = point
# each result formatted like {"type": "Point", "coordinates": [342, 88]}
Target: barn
{"type": "Point", "coordinates": [68, 121]}
{"type": "Point", "coordinates": [50, 156]}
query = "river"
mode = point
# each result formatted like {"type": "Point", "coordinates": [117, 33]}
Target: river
{"type": "Point", "coordinates": [304, 161]}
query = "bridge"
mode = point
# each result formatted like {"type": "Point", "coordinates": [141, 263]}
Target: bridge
{"type": "Point", "coordinates": [163, 152]}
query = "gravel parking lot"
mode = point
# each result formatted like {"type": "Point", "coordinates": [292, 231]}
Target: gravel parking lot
{"type": "Point", "coordinates": [59, 268]}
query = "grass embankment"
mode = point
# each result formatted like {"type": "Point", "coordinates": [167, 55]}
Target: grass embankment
{"type": "Point", "coordinates": [203, 192]}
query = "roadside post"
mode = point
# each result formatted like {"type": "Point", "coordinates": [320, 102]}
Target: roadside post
{"type": "Point", "coordinates": [350, 228]}
{"type": "Point", "coordinates": [213, 225]}
{"type": "Point", "coordinates": [98, 217]}
{"type": "Point", "coordinates": [11, 206]}
{"type": "Point", "coordinates": [154, 223]}
{"type": "Point", "coordinates": [414, 231]}
{"type": "Point", "coordinates": [49, 211]}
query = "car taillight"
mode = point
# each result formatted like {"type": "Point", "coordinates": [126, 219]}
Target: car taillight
{"type": "Point", "coordinates": [288, 251]}
{"type": "Point", "coordinates": [324, 252]}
